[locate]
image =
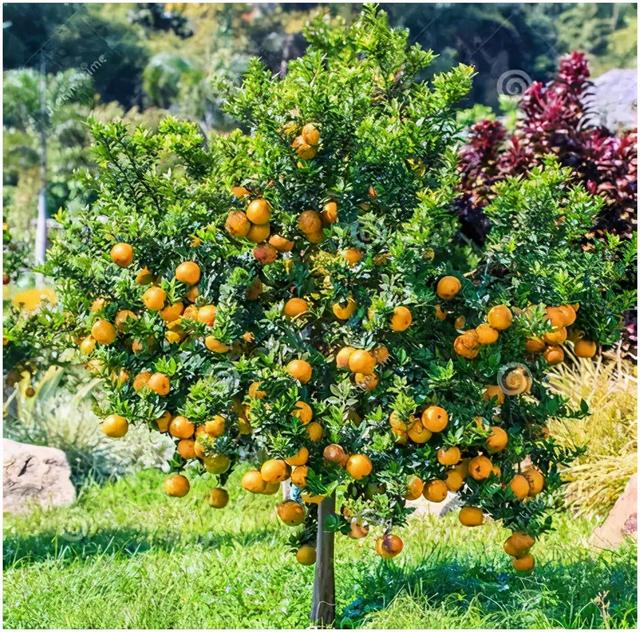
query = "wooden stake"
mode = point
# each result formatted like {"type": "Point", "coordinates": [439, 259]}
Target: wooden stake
{"type": "Point", "coordinates": [323, 607]}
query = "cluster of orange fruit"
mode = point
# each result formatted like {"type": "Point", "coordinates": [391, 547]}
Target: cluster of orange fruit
{"type": "Point", "coordinates": [500, 318]}
{"type": "Point", "coordinates": [306, 143]}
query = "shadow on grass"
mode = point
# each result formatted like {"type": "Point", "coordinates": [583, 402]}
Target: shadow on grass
{"type": "Point", "coordinates": [588, 593]}
{"type": "Point", "coordinates": [19, 550]}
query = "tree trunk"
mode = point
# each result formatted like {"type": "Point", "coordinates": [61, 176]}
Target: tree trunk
{"type": "Point", "coordinates": [323, 607]}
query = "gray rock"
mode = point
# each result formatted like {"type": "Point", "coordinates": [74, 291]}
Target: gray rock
{"type": "Point", "coordinates": [614, 99]}
{"type": "Point", "coordinates": [425, 507]}
{"type": "Point", "coordinates": [35, 475]}
{"type": "Point", "coordinates": [621, 521]}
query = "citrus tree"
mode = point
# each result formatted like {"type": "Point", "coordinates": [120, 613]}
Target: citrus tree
{"type": "Point", "coordinates": [293, 295]}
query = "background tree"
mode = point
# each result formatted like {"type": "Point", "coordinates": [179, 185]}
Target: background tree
{"type": "Point", "coordinates": [294, 298]}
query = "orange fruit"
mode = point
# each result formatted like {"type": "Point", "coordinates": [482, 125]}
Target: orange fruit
{"type": "Point", "coordinates": [163, 421]}
{"type": "Point", "coordinates": [265, 254]}
{"type": "Point", "coordinates": [303, 412]}
{"type": "Point", "coordinates": [448, 287]}
{"type": "Point", "coordinates": [435, 491]}
{"type": "Point", "coordinates": [87, 345]}
{"type": "Point", "coordinates": [556, 337]}
{"type": "Point", "coordinates": [240, 192]}
{"type": "Point", "coordinates": [306, 555]}
{"type": "Point", "coordinates": [454, 480]}
{"type": "Point", "coordinates": [176, 485]}
{"type": "Point", "coordinates": [554, 354]}
{"type": "Point", "coordinates": [252, 482]}
{"type": "Point", "coordinates": [401, 319]}
{"type": "Point", "coordinates": [299, 476]}
{"type": "Point", "coordinates": [315, 431]}
{"type": "Point", "coordinates": [493, 391]}
{"type": "Point", "coordinates": [569, 315]}
{"type": "Point", "coordinates": [115, 426]}
{"type": "Point", "coordinates": [122, 254]}
{"type": "Point", "coordinates": [518, 544]}
{"type": "Point", "coordinates": [361, 361]}
{"type": "Point", "coordinates": [497, 440]}
{"type": "Point", "coordinates": [295, 307]}
{"type": "Point", "coordinates": [299, 458]}
{"type": "Point", "coordinates": [435, 418]}
{"type": "Point", "coordinates": [344, 311]}
{"type": "Point", "coordinates": [585, 348]}
{"type": "Point", "coordinates": [144, 276]}
{"type": "Point", "coordinates": [216, 463]}
{"type": "Point", "coordinates": [300, 370]}
{"type": "Point", "coordinates": [534, 345]}
{"type": "Point", "coordinates": [535, 478]}
{"type": "Point", "coordinates": [480, 467]}
{"type": "Point", "coordinates": [188, 272]}
{"type": "Point", "coordinates": [213, 344]}
{"type": "Point", "coordinates": [172, 312]}
{"type": "Point", "coordinates": [389, 546]}
{"type": "Point", "coordinates": [352, 256]}
{"type": "Point", "coordinates": [154, 298]}
{"type": "Point", "coordinates": [415, 485]}
{"type": "Point", "coordinates": [315, 238]}
{"type": "Point", "coordinates": [103, 331]}
{"type": "Point", "coordinates": [471, 516]}
{"type": "Point", "coordinates": [121, 318]}
{"type": "Point", "coordinates": [218, 497]}
{"type": "Point", "coordinates": [159, 383]}
{"type": "Point", "coordinates": [381, 354]}
{"type": "Point", "coordinates": [181, 428]}
{"type": "Point", "coordinates": [358, 531]}
{"type": "Point", "coordinates": [418, 433]}
{"type": "Point", "coordinates": [359, 466]}
{"type": "Point", "coordinates": [280, 243]}
{"type": "Point", "coordinates": [258, 211]}
{"type": "Point", "coordinates": [342, 357]}
{"type": "Point", "coordinates": [448, 456]}
{"type": "Point", "coordinates": [186, 449]}
{"type": "Point", "coordinates": [334, 453]}
{"type": "Point", "coordinates": [304, 150]}
{"type": "Point", "coordinates": [310, 134]}
{"type": "Point", "coordinates": [98, 305]}
{"type": "Point", "coordinates": [215, 426]}
{"type": "Point", "coordinates": [207, 315]}
{"type": "Point", "coordinates": [274, 471]}
{"type": "Point", "coordinates": [291, 512]}
{"type": "Point", "coordinates": [367, 382]}
{"type": "Point", "coordinates": [487, 335]}
{"type": "Point", "coordinates": [141, 380]}
{"type": "Point", "coordinates": [439, 313]}
{"type": "Point", "coordinates": [524, 564]}
{"type": "Point", "coordinates": [329, 213]}
{"type": "Point", "coordinates": [555, 316]}
{"type": "Point", "coordinates": [237, 224]}
{"type": "Point", "coordinates": [500, 317]}
{"type": "Point", "coordinates": [310, 222]}
{"type": "Point", "coordinates": [254, 391]}
{"type": "Point", "coordinates": [519, 486]}
{"type": "Point", "coordinates": [259, 233]}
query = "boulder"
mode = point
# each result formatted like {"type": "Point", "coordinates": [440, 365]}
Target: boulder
{"type": "Point", "coordinates": [613, 99]}
{"type": "Point", "coordinates": [35, 475]}
{"type": "Point", "coordinates": [621, 521]}
{"type": "Point", "coordinates": [424, 507]}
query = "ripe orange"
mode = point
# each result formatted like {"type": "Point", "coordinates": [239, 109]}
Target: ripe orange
{"type": "Point", "coordinates": [103, 331]}
{"type": "Point", "coordinates": [329, 213]}
{"type": "Point", "coordinates": [259, 233]}
{"type": "Point", "coordinates": [493, 391]}
{"type": "Point", "coordinates": [299, 476]}
{"type": "Point", "coordinates": [240, 192]}
{"type": "Point", "coordinates": [435, 491]}
{"type": "Point", "coordinates": [274, 471]}
{"type": "Point", "coordinates": [237, 224]}
{"type": "Point", "coordinates": [359, 466]}
{"type": "Point", "coordinates": [334, 453]}
{"type": "Point", "coordinates": [115, 426]}
{"type": "Point", "coordinates": [303, 412]}
{"type": "Point", "coordinates": [471, 516]}
{"type": "Point", "coordinates": [569, 315]}
{"type": "Point", "coordinates": [141, 380]}
{"type": "Point", "coordinates": [265, 254]}
{"type": "Point", "coordinates": [295, 307]}
{"type": "Point", "coordinates": [98, 305]}
{"type": "Point", "coordinates": [401, 319]}
{"type": "Point", "coordinates": [87, 345]}
{"type": "Point", "coordinates": [306, 555]}
{"type": "Point", "coordinates": [448, 456]}
{"type": "Point", "coordinates": [415, 485]}
{"type": "Point", "coordinates": [144, 276]}
{"type": "Point", "coordinates": [367, 382]}
{"type": "Point", "coordinates": [585, 348]}
{"type": "Point", "coordinates": [176, 485]}
{"type": "Point", "coordinates": [518, 544]}
{"type": "Point", "coordinates": [435, 418]}
{"type": "Point", "coordinates": [172, 312]}
{"type": "Point", "coordinates": [254, 391]}
{"type": "Point", "coordinates": [299, 458]}
{"type": "Point", "coordinates": [315, 238]}
{"type": "Point", "coordinates": [310, 222]}
{"type": "Point", "coordinates": [361, 361]}
{"type": "Point", "coordinates": [389, 546]}
{"type": "Point", "coordinates": [524, 564]}
{"type": "Point", "coordinates": [315, 431]}
{"type": "Point", "coordinates": [181, 428]}
{"type": "Point", "coordinates": [454, 480]}
{"type": "Point", "coordinates": [291, 513]}
{"type": "Point", "coordinates": [188, 272]}
{"type": "Point", "coordinates": [556, 336]}
{"type": "Point", "coordinates": [218, 497]}
{"type": "Point", "coordinates": [554, 354]}
{"type": "Point", "coordinates": [304, 150]}
{"type": "Point", "coordinates": [163, 421]}
{"type": "Point", "coordinates": [215, 427]}
{"type": "Point", "coordinates": [342, 357]}
{"type": "Point", "coordinates": [418, 433]}
{"type": "Point", "coordinates": [352, 256]}
{"type": "Point", "coordinates": [300, 370]}
{"type": "Point", "coordinates": [280, 243]}
{"type": "Point", "coordinates": [535, 478]}
{"type": "Point", "coordinates": [500, 317]}
{"type": "Point", "coordinates": [480, 467]}
{"type": "Point", "coordinates": [258, 211]}
{"type": "Point", "coordinates": [154, 298]}
{"type": "Point", "coordinates": [487, 335]}
{"type": "Point", "coordinates": [207, 315]}
{"type": "Point", "coordinates": [448, 287]}
{"type": "Point", "coordinates": [555, 316]}
{"type": "Point", "coordinates": [213, 344]}
{"type": "Point", "coordinates": [121, 318]}
{"type": "Point", "coordinates": [344, 311]}
{"type": "Point", "coordinates": [497, 440]}
{"type": "Point", "coordinates": [311, 134]}
{"type": "Point", "coordinates": [534, 345]}
{"type": "Point", "coordinates": [440, 314]}
{"type": "Point", "coordinates": [159, 383]}
{"type": "Point", "coordinates": [519, 486]}
{"type": "Point", "coordinates": [381, 354]}
{"type": "Point", "coordinates": [252, 482]}
{"type": "Point", "coordinates": [186, 449]}
{"type": "Point", "coordinates": [122, 254]}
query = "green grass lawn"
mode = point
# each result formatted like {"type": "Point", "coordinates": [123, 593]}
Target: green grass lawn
{"type": "Point", "coordinates": [127, 556]}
